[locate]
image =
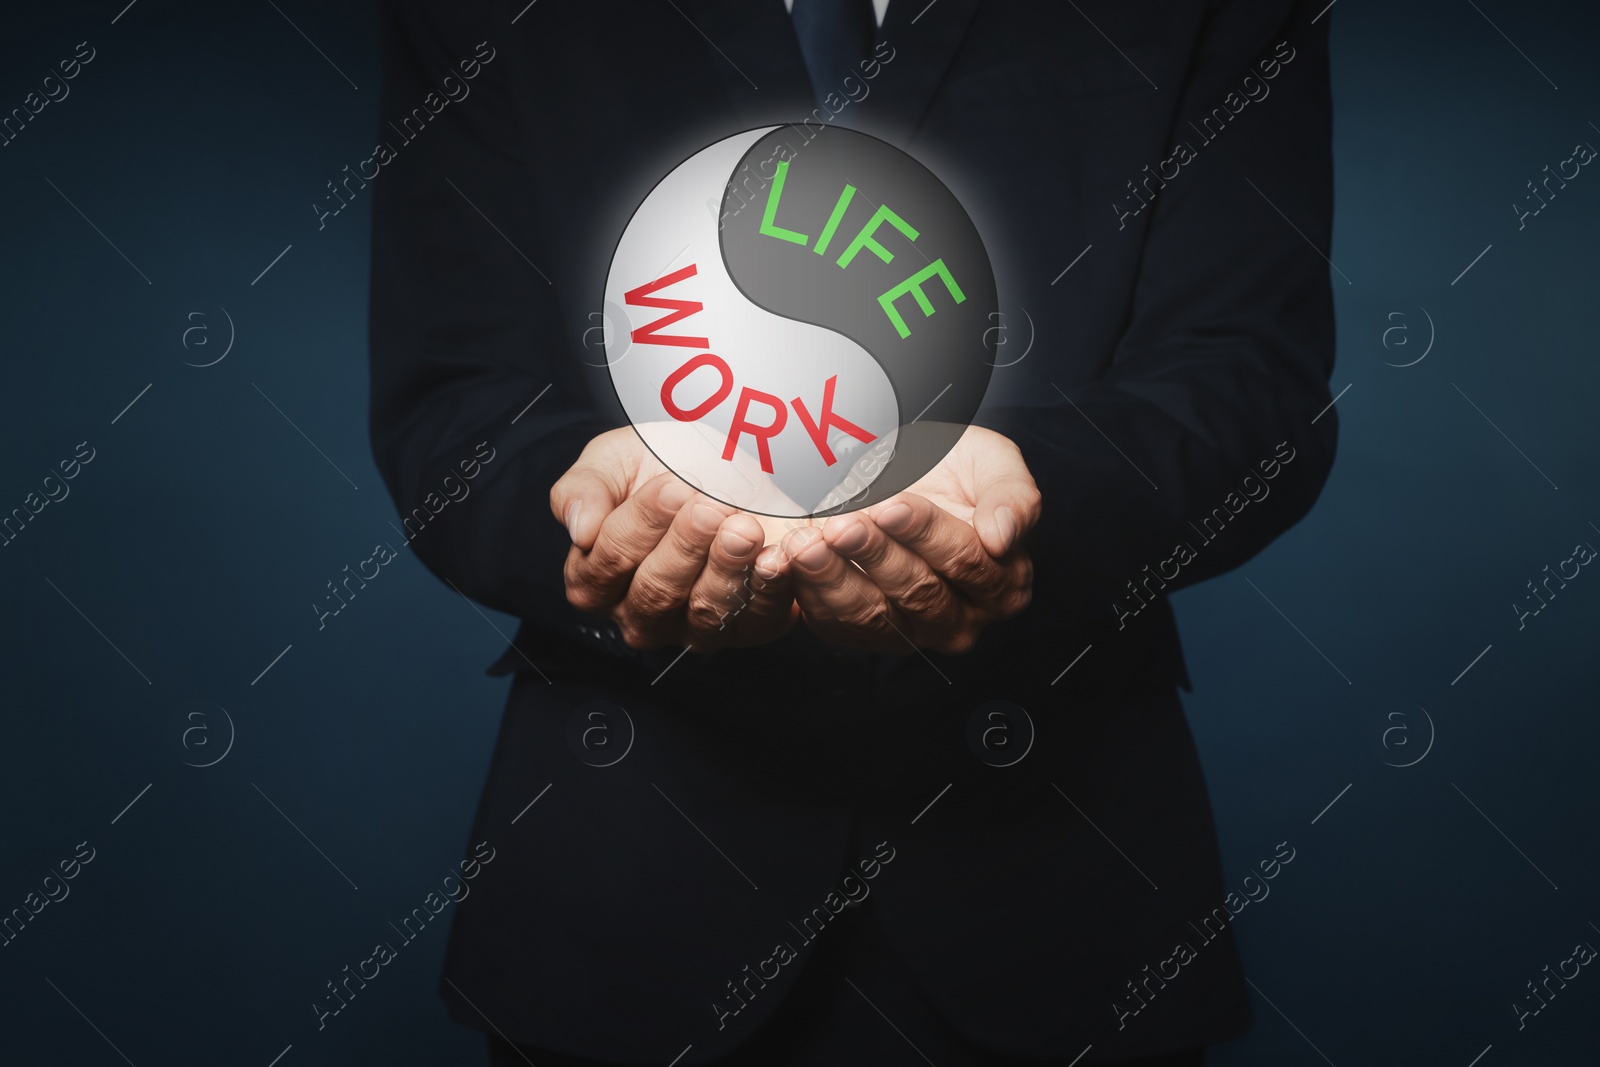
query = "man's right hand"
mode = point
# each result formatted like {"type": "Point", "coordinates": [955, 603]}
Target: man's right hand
{"type": "Point", "coordinates": [669, 565]}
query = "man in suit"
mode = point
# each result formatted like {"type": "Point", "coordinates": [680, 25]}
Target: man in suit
{"type": "Point", "coordinates": [800, 856]}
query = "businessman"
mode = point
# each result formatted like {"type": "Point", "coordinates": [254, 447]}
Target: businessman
{"type": "Point", "coordinates": [801, 847]}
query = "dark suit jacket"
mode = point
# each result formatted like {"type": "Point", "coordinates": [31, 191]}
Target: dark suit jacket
{"type": "Point", "coordinates": [1168, 375]}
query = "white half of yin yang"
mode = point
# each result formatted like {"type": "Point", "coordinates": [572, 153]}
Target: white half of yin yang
{"type": "Point", "coordinates": [674, 227]}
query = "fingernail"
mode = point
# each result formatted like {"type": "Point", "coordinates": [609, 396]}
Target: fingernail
{"type": "Point", "coordinates": [675, 494]}
{"type": "Point", "coordinates": [705, 518]}
{"type": "Point", "coordinates": [814, 557]}
{"type": "Point", "coordinates": [807, 548]}
{"type": "Point", "coordinates": [895, 518]}
{"type": "Point", "coordinates": [768, 565]}
{"type": "Point", "coordinates": [852, 540]}
{"type": "Point", "coordinates": [1005, 521]}
{"type": "Point", "coordinates": [796, 540]}
{"type": "Point", "coordinates": [573, 511]}
{"type": "Point", "coordinates": [734, 544]}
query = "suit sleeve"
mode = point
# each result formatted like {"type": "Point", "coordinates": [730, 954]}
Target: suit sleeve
{"type": "Point", "coordinates": [1224, 362]}
{"type": "Point", "coordinates": [465, 329]}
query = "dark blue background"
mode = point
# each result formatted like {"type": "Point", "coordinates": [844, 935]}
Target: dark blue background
{"type": "Point", "coordinates": [206, 525]}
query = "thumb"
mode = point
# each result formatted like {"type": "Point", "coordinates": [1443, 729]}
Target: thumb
{"type": "Point", "coordinates": [580, 500]}
{"type": "Point", "coordinates": [1007, 508]}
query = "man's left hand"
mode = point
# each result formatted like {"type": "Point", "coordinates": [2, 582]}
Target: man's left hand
{"type": "Point", "coordinates": [931, 566]}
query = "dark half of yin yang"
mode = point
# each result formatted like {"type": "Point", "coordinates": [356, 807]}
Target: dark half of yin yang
{"type": "Point", "coordinates": [939, 369]}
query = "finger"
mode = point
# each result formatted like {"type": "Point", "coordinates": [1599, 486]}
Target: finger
{"type": "Point", "coordinates": [1007, 508]}
{"type": "Point", "coordinates": [721, 587]}
{"type": "Point", "coordinates": [658, 595]}
{"type": "Point", "coordinates": [1019, 589]}
{"type": "Point", "coordinates": [598, 578]}
{"type": "Point", "coordinates": [598, 482]}
{"type": "Point", "coordinates": [580, 500]}
{"type": "Point", "coordinates": [773, 611]}
{"type": "Point", "coordinates": [951, 547]}
{"type": "Point", "coordinates": [745, 595]}
{"type": "Point", "coordinates": [906, 579]}
{"type": "Point", "coordinates": [839, 603]}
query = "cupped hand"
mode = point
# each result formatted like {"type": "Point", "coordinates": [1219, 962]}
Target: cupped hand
{"type": "Point", "coordinates": [931, 566]}
{"type": "Point", "coordinates": [668, 564]}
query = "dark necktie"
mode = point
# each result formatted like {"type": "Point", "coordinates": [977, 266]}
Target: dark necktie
{"type": "Point", "coordinates": [835, 36]}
